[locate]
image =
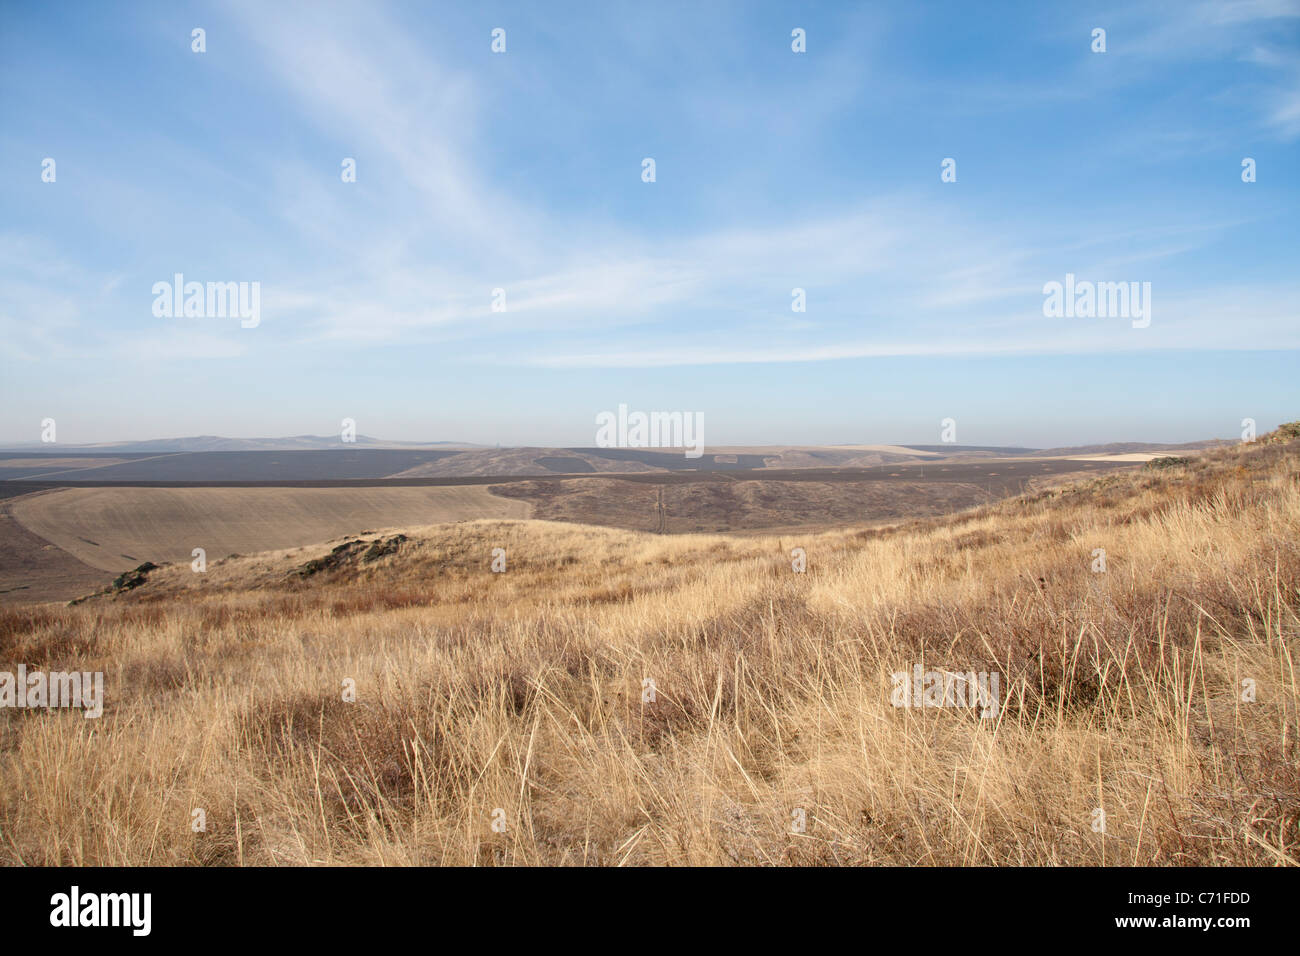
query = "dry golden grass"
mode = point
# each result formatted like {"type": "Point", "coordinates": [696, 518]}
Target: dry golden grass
{"type": "Point", "coordinates": [523, 691]}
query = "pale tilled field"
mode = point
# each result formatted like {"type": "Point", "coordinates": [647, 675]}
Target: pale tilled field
{"type": "Point", "coordinates": [510, 718]}
{"type": "Point", "coordinates": [119, 528]}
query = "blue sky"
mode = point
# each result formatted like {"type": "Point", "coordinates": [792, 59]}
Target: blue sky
{"type": "Point", "coordinates": [774, 170]}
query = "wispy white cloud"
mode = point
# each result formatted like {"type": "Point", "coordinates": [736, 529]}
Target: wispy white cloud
{"type": "Point", "coordinates": [1233, 319]}
{"type": "Point", "coordinates": [903, 274]}
{"type": "Point", "coordinates": [366, 81]}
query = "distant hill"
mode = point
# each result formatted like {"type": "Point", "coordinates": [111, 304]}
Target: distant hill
{"type": "Point", "coordinates": [199, 443]}
{"type": "Point", "coordinates": [1113, 448]}
{"type": "Point", "coordinates": [468, 458]}
{"type": "Point", "coordinates": [1132, 447]}
{"type": "Point", "coordinates": [954, 449]}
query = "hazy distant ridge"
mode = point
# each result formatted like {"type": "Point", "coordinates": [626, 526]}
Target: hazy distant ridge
{"type": "Point", "coordinates": [198, 443]}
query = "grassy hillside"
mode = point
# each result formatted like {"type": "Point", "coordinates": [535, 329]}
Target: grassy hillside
{"type": "Point", "coordinates": [517, 697]}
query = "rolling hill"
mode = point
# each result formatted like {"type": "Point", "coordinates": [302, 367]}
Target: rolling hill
{"type": "Point", "coordinates": [624, 698]}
